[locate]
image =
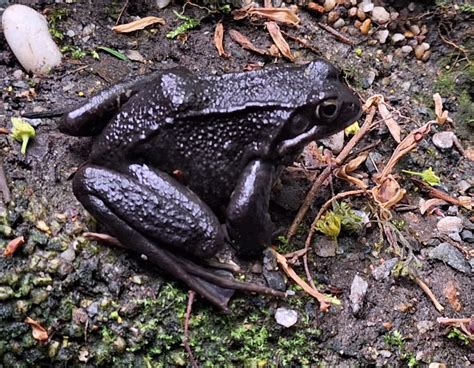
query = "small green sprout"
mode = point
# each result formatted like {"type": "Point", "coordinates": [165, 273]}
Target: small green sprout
{"type": "Point", "coordinates": [189, 23]}
{"type": "Point", "coordinates": [329, 224]}
{"type": "Point", "coordinates": [22, 132]}
{"type": "Point", "coordinates": [459, 335]}
{"type": "Point", "coordinates": [428, 176]}
{"type": "Point", "coordinates": [352, 129]}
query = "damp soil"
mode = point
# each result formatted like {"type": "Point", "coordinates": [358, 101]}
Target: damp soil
{"type": "Point", "coordinates": [104, 306]}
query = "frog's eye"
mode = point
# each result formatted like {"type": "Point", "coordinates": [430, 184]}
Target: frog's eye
{"type": "Point", "coordinates": [327, 110]}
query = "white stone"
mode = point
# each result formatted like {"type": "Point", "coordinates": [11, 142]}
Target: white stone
{"type": "Point", "coordinates": [286, 317]}
{"type": "Point", "coordinates": [380, 15]}
{"type": "Point", "coordinates": [382, 35]}
{"type": "Point", "coordinates": [334, 142]}
{"type": "Point", "coordinates": [26, 32]}
{"type": "Point", "coordinates": [339, 23]}
{"type": "Point", "coordinates": [444, 140]}
{"type": "Point", "coordinates": [450, 224]}
{"type": "Point", "coordinates": [397, 37]}
{"type": "Point", "coordinates": [366, 6]}
{"type": "Point", "coordinates": [329, 5]}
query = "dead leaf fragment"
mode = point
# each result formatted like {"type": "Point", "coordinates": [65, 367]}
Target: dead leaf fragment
{"type": "Point", "coordinates": [245, 42]}
{"type": "Point", "coordinates": [452, 294]}
{"type": "Point", "coordinates": [429, 205]}
{"type": "Point", "coordinates": [13, 246]}
{"type": "Point", "coordinates": [345, 171]}
{"type": "Point", "coordinates": [219, 40]}
{"type": "Point", "coordinates": [390, 122]}
{"type": "Point", "coordinates": [441, 116]}
{"type": "Point", "coordinates": [324, 301]}
{"type": "Point", "coordinates": [137, 25]}
{"type": "Point", "coordinates": [39, 332]}
{"type": "Point", "coordinates": [281, 15]}
{"type": "Point", "coordinates": [279, 40]}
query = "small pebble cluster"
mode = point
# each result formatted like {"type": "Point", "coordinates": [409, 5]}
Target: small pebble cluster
{"type": "Point", "coordinates": [380, 22]}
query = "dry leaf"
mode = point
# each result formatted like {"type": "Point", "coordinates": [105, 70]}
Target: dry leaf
{"type": "Point", "coordinates": [245, 42]}
{"type": "Point", "coordinates": [39, 332]}
{"type": "Point", "coordinates": [279, 40]}
{"type": "Point", "coordinates": [138, 24]}
{"type": "Point", "coordinates": [392, 125]}
{"type": "Point", "coordinates": [282, 15]}
{"type": "Point", "coordinates": [388, 192]}
{"type": "Point", "coordinates": [451, 293]}
{"type": "Point", "coordinates": [13, 246]}
{"type": "Point", "coordinates": [351, 166]}
{"type": "Point", "coordinates": [324, 301]}
{"type": "Point", "coordinates": [429, 205]}
{"type": "Point", "coordinates": [219, 40]}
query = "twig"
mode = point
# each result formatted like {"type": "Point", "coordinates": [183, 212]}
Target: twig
{"type": "Point", "coordinates": [4, 191]}
{"type": "Point", "coordinates": [430, 294]}
{"type": "Point", "coordinates": [449, 321]}
{"type": "Point", "coordinates": [4, 131]}
{"type": "Point", "coordinates": [302, 43]}
{"type": "Point", "coordinates": [327, 171]}
{"type": "Point", "coordinates": [452, 44]}
{"type": "Point", "coordinates": [121, 13]}
{"type": "Point", "coordinates": [189, 308]}
{"type": "Point", "coordinates": [335, 33]}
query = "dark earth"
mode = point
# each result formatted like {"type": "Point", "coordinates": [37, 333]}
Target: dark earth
{"type": "Point", "coordinates": [104, 306]}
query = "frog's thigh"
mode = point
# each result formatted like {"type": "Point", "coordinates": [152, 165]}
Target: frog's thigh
{"type": "Point", "coordinates": [153, 204]}
{"type": "Point", "coordinates": [247, 219]}
{"type": "Point", "coordinates": [91, 117]}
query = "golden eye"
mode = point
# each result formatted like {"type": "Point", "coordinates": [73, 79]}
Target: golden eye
{"type": "Point", "coordinates": [327, 110]}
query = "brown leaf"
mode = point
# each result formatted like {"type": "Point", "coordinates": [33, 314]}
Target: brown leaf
{"type": "Point", "coordinates": [219, 40]}
{"type": "Point", "coordinates": [282, 15]}
{"type": "Point", "coordinates": [388, 192]}
{"type": "Point", "coordinates": [13, 246]}
{"type": "Point", "coordinates": [137, 24]}
{"type": "Point", "coordinates": [451, 293]}
{"type": "Point", "coordinates": [390, 122]}
{"type": "Point", "coordinates": [279, 40]}
{"type": "Point", "coordinates": [39, 332]}
{"type": "Point", "coordinates": [323, 300]}
{"type": "Point", "coordinates": [429, 205]}
{"type": "Point", "coordinates": [245, 42]}
{"type": "Point", "coordinates": [351, 166]}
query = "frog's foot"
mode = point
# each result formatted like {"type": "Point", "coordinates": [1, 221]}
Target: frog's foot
{"type": "Point", "coordinates": [142, 208]}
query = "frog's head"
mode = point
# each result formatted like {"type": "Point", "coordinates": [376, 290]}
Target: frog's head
{"type": "Point", "coordinates": [330, 107]}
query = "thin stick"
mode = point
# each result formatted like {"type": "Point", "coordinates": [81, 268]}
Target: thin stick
{"type": "Point", "coordinates": [430, 294]}
{"type": "Point", "coordinates": [189, 308]}
{"type": "Point", "coordinates": [4, 191]}
{"type": "Point", "coordinates": [327, 171]}
{"type": "Point", "coordinates": [335, 33]}
{"type": "Point", "coordinates": [121, 12]}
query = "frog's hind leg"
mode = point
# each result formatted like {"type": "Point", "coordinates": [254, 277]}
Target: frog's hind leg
{"type": "Point", "coordinates": [90, 118]}
{"type": "Point", "coordinates": [142, 208]}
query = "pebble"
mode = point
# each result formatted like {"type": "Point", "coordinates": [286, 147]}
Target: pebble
{"type": "Point", "coordinates": [415, 29]}
{"type": "Point", "coordinates": [353, 12]}
{"type": "Point", "coordinates": [406, 50]}
{"type": "Point", "coordinates": [443, 140]}
{"type": "Point", "coordinates": [411, 6]}
{"type": "Point", "coordinates": [421, 49]}
{"type": "Point", "coordinates": [275, 279]}
{"type": "Point", "coordinates": [325, 247]}
{"type": "Point", "coordinates": [286, 317]}
{"type": "Point", "coordinates": [70, 33]}
{"type": "Point", "coordinates": [383, 271]}
{"type": "Point", "coordinates": [382, 35]}
{"type": "Point", "coordinates": [426, 56]}
{"type": "Point", "coordinates": [368, 79]}
{"type": "Point", "coordinates": [361, 15]}
{"type": "Point", "coordinates": [424, 326]}
{"type": "Point", "coordinates": [397, 37]}
{"type": "Point", "coordinates": [333, 17]}
{"type": "Point", "coordinates": [450, 224]}
{"type": "Point", "coordinates": [329, 5]}
{"type": "Point", "coordinates": [68, 255]}
{"type": "Point", "coordinates": [446, 253]}
{"type": "Point", "coordinates": [365, 26]}
{"type": "Point", "coordinates": [339, 23]}
{"type": "Point", "coordinates": [358, 291]}
{"type": "Point", "coordinates": [366, 6]}
{"type": "Point", "coordinates": [334, 142]}
{"type": "Point", "coordinates": [467, 236]}
{"type": "Point", "coordinates": [161, 4]}
{"type": "Point", "coordinates": [380, 15]}
{"type": "Point", "coordinates": [27, 34]}
{"type": "Point", "coordinates": [463, 186]}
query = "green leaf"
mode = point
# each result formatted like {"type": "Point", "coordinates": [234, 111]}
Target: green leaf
{"type": "Point", "coordinates": [113, 52]}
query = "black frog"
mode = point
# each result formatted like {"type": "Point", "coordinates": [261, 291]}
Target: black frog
{"type": "Point", "coordinates": [184, 163]}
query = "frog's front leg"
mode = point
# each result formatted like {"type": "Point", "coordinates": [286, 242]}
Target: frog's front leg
{"type": "Point", "coordinates": [90, 118]}
{"type": "Point", "coordinates": [142, 208]}
{"type": "Point", "coordinates": [248, 220]}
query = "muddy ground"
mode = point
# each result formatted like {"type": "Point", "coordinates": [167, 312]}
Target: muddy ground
{"type": "Point", "coordinates": [104, 306]}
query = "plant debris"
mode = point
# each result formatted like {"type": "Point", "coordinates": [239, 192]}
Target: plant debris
{"type": "Point", "coordinates": [137, 25]}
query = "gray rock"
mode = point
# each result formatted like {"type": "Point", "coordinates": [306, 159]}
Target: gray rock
{"type": "Point", "coordinates": [456, 237]}
{"type": "Point", "coordinates": [424, 326]}
{"type": "Point", "coordinates": [467, 236]}
{"type": "Point", "coordinates": [373, 162]}
{"type": "Point", "coordinates": [325, 247]}
{"type": "Point", "coordinates": [93, 309]}
{"type": "Point", "coordinates": [406, 50]}
{"type": "Point", "coordinates": [286, 317]}
{"type": "Point", "coordinates": [443, 140]}
{"type": "Point", "coordinates": [463, 186]}
{"type": "Point", "coordinates": [275, 279]}
{"type": "Point", "coordinates": [383, 271]}
{"type": "Point", "coordinates": [446, 253]}
{"type": "Point", "coordinates": [339, 23]}
{"type": "Point", "coordinates": [69, 254]}
{"type": "Point", "coordinates": [368, 79]}
{"type": "Point", "coordinates": [334, 142]}
{"type": "Point", "coordinates": [358, 291]}
{"type": "Point", "coordinates": [382, 36]}
{"type": "Point", "coordinates": [450, 224]}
